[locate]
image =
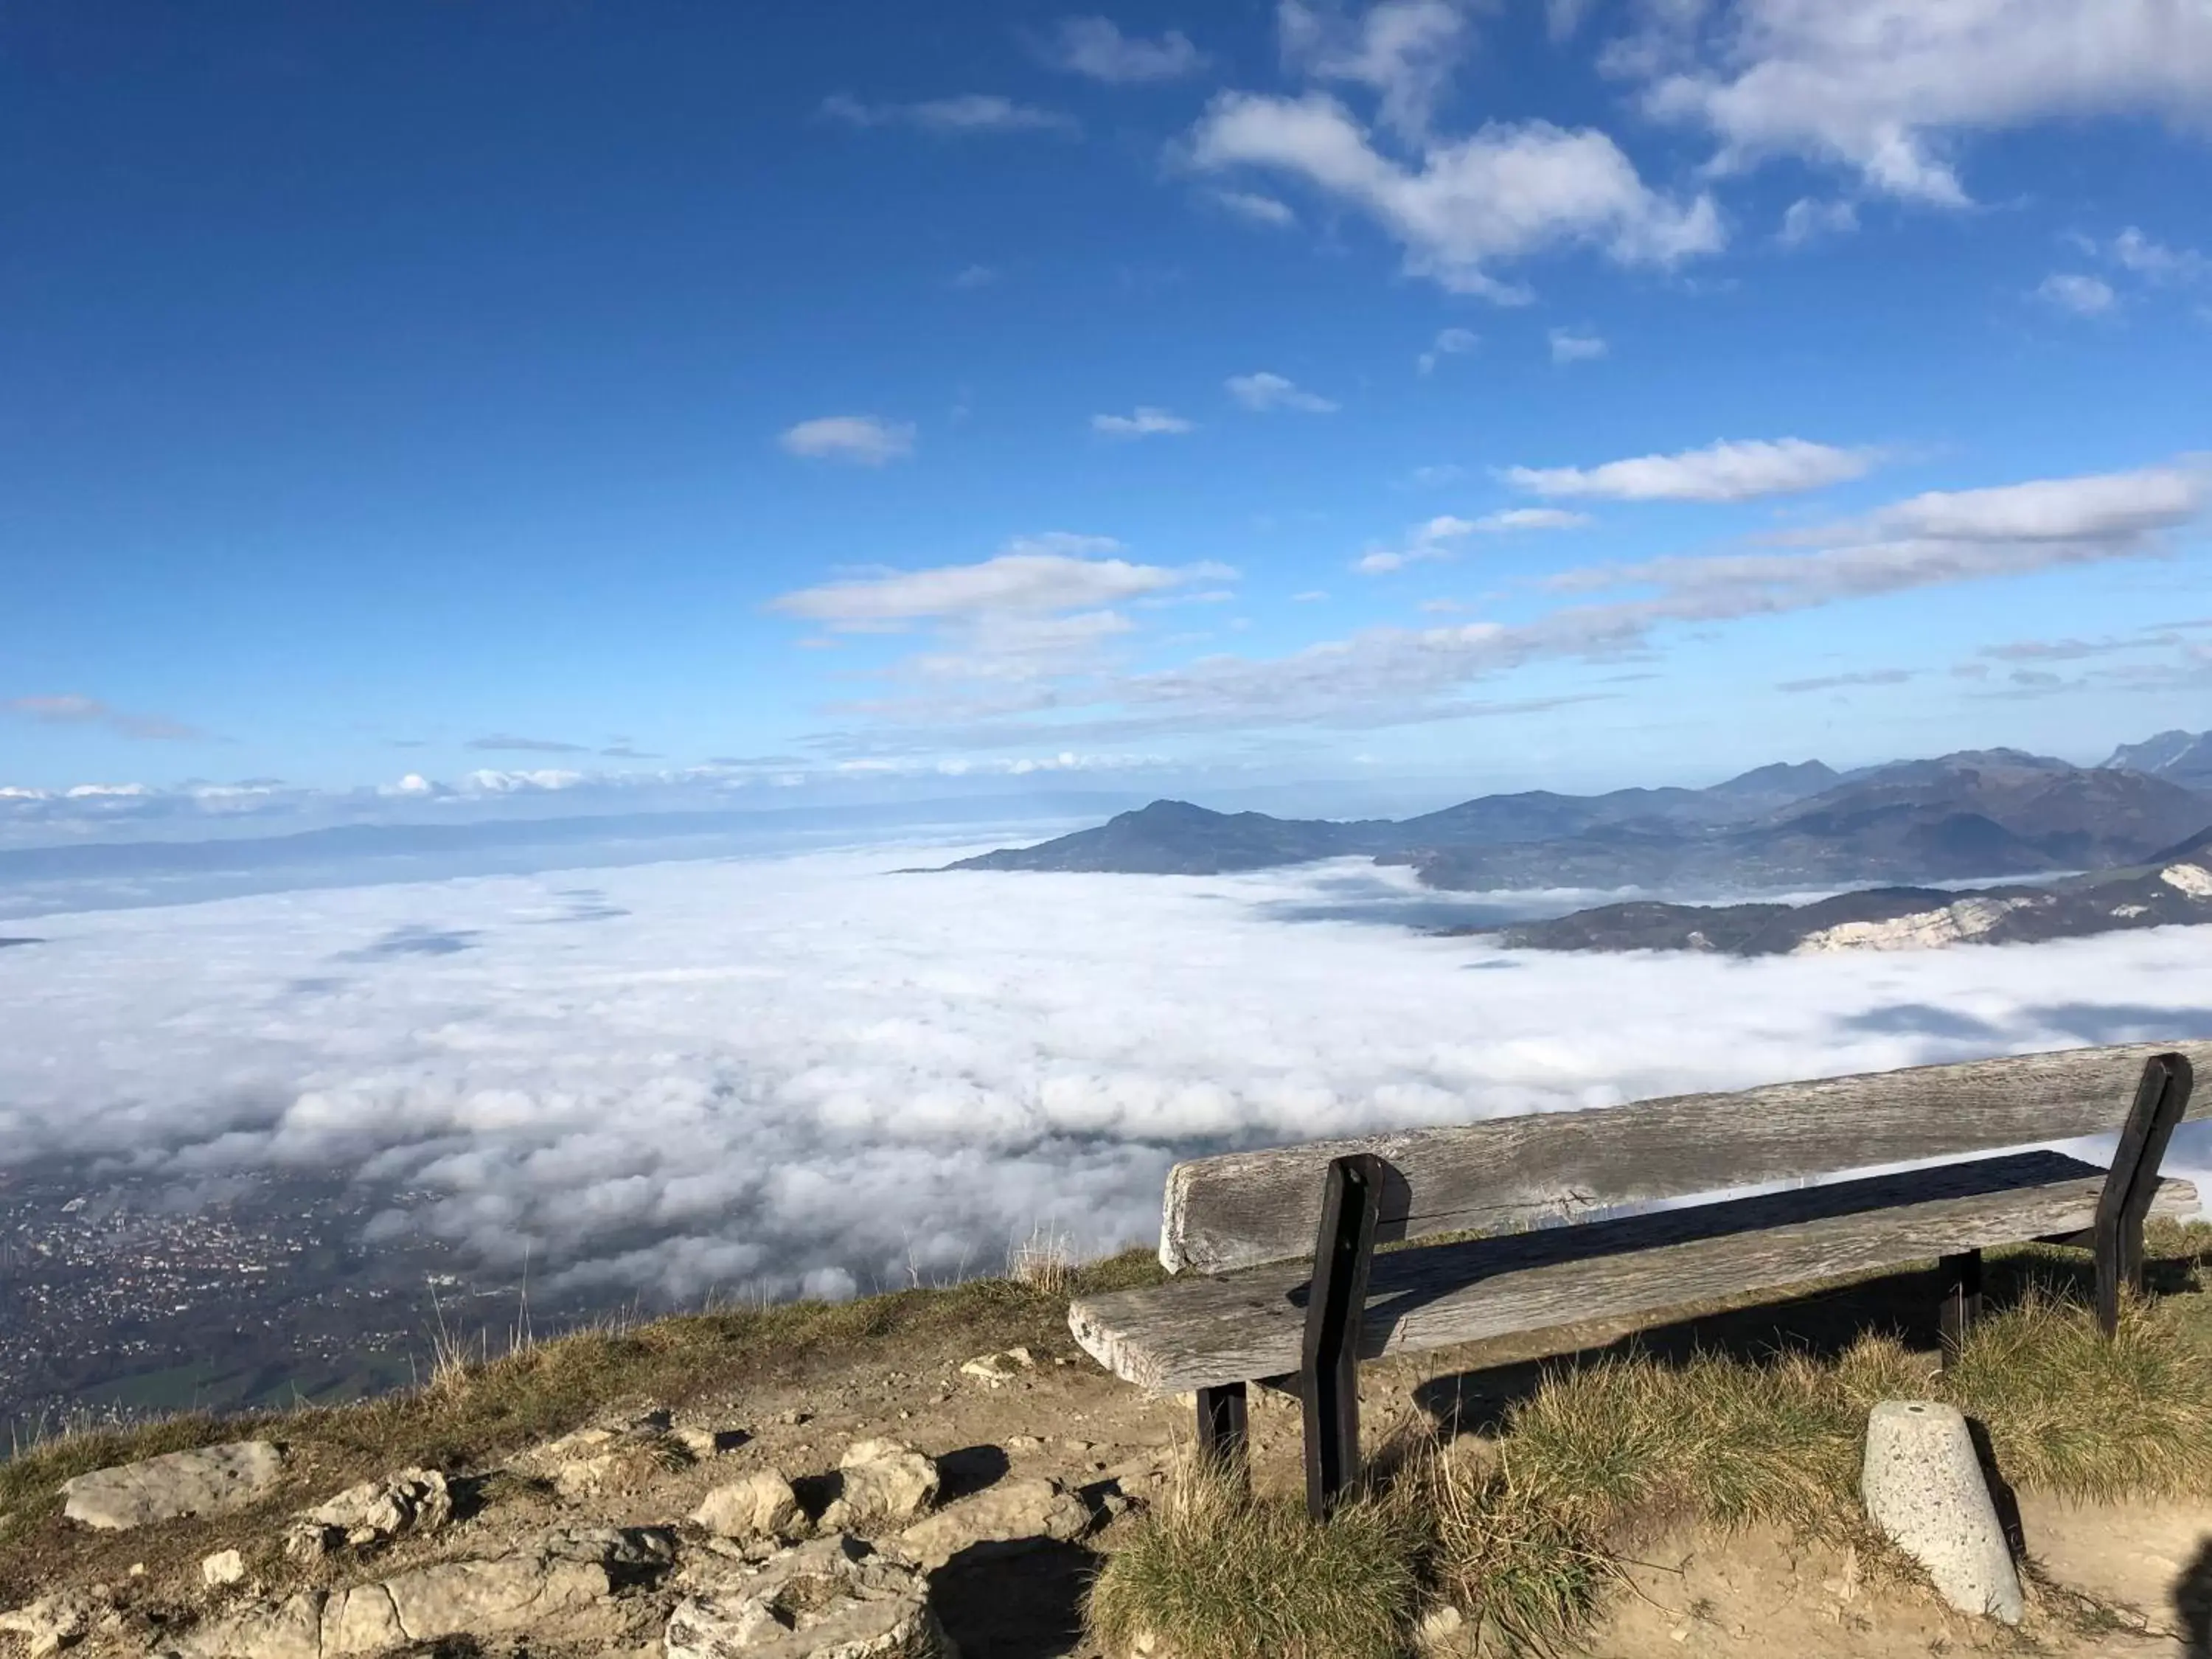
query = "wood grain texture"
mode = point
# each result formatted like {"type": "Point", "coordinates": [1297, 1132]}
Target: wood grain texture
{"type": "Point", "coordinates": [1203, 1331]}
{"type": "Point", "coordinates": [1507, 1173]}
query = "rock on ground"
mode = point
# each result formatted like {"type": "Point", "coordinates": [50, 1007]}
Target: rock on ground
{"type": "Point", "coordinates": [760, 1504]}
{"type": "Point", "coordinates": [209, 1481]}
{"type": "Point", "coordinates": [413, 1500]}
{"type": "Point", "coordinates": [565, 1571]}
{"type": "Point", "coordinates": [1925, 1491]}
{"type": "Point", "coordinates": [994, 1369]}
{"type": "Point", "coordinates": [884, 1482]}
{"type": "Point", "coordinates": [223, 1567]}
{"type": "Point", "coordinates": [53, 1622]}
{"type": "Point", "coordinates": [1014, 1513]}
{"type": "Point", "coordinates": [583, 1463]}
{"type": "Point", "coordinates": [832, 1599]}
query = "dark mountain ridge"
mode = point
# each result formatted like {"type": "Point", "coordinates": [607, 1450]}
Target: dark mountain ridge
{"type": "Point", "coordinates": [1973, 815]}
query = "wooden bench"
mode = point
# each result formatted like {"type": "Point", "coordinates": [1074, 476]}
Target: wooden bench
{"type": "Point", "coordinates": [1277, 1276]}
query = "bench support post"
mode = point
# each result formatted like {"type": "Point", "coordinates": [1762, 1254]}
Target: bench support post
{"type": "Point", "coordinates": [1960, 1277]}
{"type": "Point", "coordinates": [1352, 1202]}
{"type": "Point", "coordinates": [1222, 1428]}
{"type": "Point", "coordinates": [2117, 1236]}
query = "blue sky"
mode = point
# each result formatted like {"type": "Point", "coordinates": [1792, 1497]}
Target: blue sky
{"type": "Point", "coordinates": [469, 400]}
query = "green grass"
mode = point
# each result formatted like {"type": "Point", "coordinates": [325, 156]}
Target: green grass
{"type": "Point", "coordinates": [1221, 1576]}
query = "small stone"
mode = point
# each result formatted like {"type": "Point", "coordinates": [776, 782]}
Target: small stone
{"type": "Point", "coordinates": [994, 1371]}
{"type": "Point", "coordinates": [792, 1418]}
{"type": "Point", "coordinates": [1439, 1627]}
{"type": "Point", "coordinates": [223, 1567]}
{"type": "Point", "coordinates": [703, 1444]}
{"type": "Point", "coordinates": [1925, 1491]}
{"type": "Point", "coordinates": [213, 1481]}
{"type": "Point", "coordinates": [760, 1504]}
{"type": "Point", "coordinates": [1021, 1445]}
{"type": "Point", "coordinates": [1015, 1512]}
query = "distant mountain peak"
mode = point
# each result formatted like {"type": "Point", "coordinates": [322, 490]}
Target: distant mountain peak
{"type": "Point", "coordinates": [2185, 757]}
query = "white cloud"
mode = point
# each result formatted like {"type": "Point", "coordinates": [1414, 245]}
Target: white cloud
{"type": "Point", "coordinates": [1448, 472]}
{"type": "Point", "coordinates": [741, 1076]}
{"type": "Point", "coordinates": [1509, 190]}
{"type": "Point", "coordinates": [1888, 87]}
{"type": "Point", "coordinates": [971, 112]}
{"type": "Point", "coordinates": [1257, 208]}
{"type": "Point", "coordinates": [1404, 51]}
{"type": "Point", "coordinates": [2133, 250]}
{"type": "Point", "coordinates": [969, 277]}
{"type": "Point", "coordinates": [1448, 343]}
{"type": "Point", "coordinates": [1441, 537]}
{"type": "Point", "coordinates": [1145, 422]}
{"type": "Point", "coordinates": [1310, 596]}
{"type": "Point", "coordinates": [1095, 48]}
{"type": "Point", "coordinates": [1575, 346]}
{"type": "Point", "coordinates": [1264, 392]}
{"type": "Point", "coordinates": [1533, 517]}
{"type": "Point", "coordinates": [2097, 508]}
{"type": "Point", "coordinates": [1808, 220]}
{"type": "Point", "coordinates": [1387, 676]}
{"type": "Point", "coordinates": [1725, 471]}
{"type": "Point", "coordinates": [2085, 297]}
{"type": "Point", "coordinates": [1051, 572]}
{"type": "Point", "coordinates": [868, 440]}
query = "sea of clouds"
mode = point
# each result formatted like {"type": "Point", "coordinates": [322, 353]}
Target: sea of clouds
{"type": "Point", "coordinates": [814, 1073]}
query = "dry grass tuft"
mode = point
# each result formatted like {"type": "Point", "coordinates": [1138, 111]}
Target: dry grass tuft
{"type": "Point", "coordinates": [1527, 1577]}
{"type": "Point", "coordinates": [1044, 1262]}
{"type": "Point", "coordinates": [2069, 1410]}
{"type": "Point", "coordinates": [1220, 1575]}
{"type": "Point", "coordinates": [1723, 1439]}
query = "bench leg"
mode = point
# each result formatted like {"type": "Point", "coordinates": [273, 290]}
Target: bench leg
{"type": "Point", "coordinates": [1960, 1277]}
{"type": "Point", "coordinates": [2117, 1236]}
{"type": "Point", "coordinates": [1222, 1429]}
{"type": "Point", "coordinates": [1352, 1202]}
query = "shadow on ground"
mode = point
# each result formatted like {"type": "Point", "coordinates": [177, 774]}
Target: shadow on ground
{"type": "Point", "coordinates": [1028, 1605]}
{"type": "Point", "coordinates": [1822, 1324]}
{"type": "Point", "coordinates": [2192, 1605]}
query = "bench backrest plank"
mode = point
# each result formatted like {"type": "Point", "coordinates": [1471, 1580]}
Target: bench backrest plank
{"type": "Point", "coordinates": [1505, 1173]}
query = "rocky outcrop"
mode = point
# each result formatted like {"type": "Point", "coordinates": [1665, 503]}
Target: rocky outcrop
{"type": "Point", "coordinates": [212, 1480]}
{"type": "Point", "coordinates": [606, 1456]}
{"type": "Point", "coordinates": [760, 1504]}
{"type": "Point", "coordinates": [835, 1598]}
{"type": "Point", "coordinates": [54, 1622]}
{"type": "Point", "coordinates": [564, 1571]}
{"type": "Point", "coordinates": [411, 1501]}
{"type": "Point", "coordinates": [882, 1482]}
{"type": "Point", "coordinates": [1013, 1515]}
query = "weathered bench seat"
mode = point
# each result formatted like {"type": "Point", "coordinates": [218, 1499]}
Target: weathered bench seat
{"type": "Point", "coordinates": [1520, 1242]}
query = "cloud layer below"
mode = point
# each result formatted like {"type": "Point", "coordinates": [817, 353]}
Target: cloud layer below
{"type": "Point", "coordinates": [810, 1071]}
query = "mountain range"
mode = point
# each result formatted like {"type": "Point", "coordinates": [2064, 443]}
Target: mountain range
{"type": "Point", "coordinates": [2173, 888]}
{"type": "Point", "coordinates": [1971, 816]}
